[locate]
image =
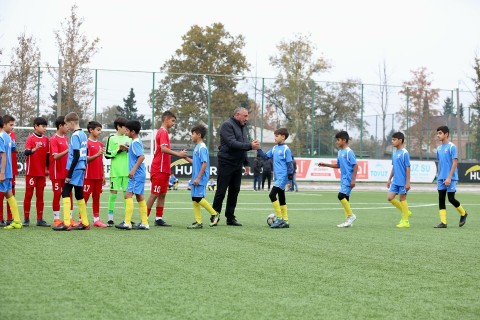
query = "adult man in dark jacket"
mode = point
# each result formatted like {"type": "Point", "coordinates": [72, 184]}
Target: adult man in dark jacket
{"type": "Point", "coordinates": [232, 156]}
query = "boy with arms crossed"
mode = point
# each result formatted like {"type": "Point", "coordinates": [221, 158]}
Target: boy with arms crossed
{"type": "Point", "coordinates": [76, 164]}
{"type": "Point", "coordinates": [37, 153]}
{"type": "Point", "coordinates": [136, 183]}
{"type": "Point", "coordinates": [347, 163]}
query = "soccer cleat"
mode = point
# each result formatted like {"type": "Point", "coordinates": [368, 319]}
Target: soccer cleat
{"type": "Point", "coordinates": [62, 227]}
{"type": "Point", "coordinates": [14, 225]}
{"type": "Point", "coordinates": [8, 222]}
{"type": "Point", "coordinates": [123, 225]}
{"type": "Point", "coordinates": [57, 222]}
{"type": "Point", "coordinates": [403, 224]}
{"type": "Point", "coordinates": [195, 225]}
{"type": "Point", "coordinates": [81, 226]}
{"type": "Point", "coordinates": [349, 222]}
{"type": "Point", "coordinates": [26, 222]}
{"type": "Point", "coordinates": [161, 223]}
{"type": "Point", "coordinates": [463, 219]}
{"type": "Point", "coordinates": [110, 223]}
{"type": "Point", "coordinates": [99, 224]}
{"type": "Point", "coordinates": [73, 223]}
{"type": "Point", "coordinates": [214, 219]}
{"type": "Point", "coordinates": [277, 224]}
{"type": "Point", "coordinates": [2, 223]}
{"type": "Point", "coordinates": [409, 213]}
{"type": "Point", "coordinates": [441, 225]}
{"type": "Point", "coordinates": [142, 226]}
{"type": "Point", "coordinates": [42, 223]}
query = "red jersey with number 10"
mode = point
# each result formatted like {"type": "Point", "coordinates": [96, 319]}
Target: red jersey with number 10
{"type": "Point", "coordinates": [58, 170]}
{"type": "Point", "coordinates": [37, 162]}
{"type": "Point", "coordinates": [94, 168]}
{"type": "Point", "coordinates": [161, 161]}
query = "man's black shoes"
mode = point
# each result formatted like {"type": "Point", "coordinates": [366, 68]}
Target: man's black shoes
{"type": "Point", "coordinates": [234, 223]}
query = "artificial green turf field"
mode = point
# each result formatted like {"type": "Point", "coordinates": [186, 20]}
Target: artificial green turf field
{"type": "Point", "coordinates": [313, 270]}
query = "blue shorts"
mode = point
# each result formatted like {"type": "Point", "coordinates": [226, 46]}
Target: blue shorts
{"type": "Point", "coordinates": [77, 177]}
{"type": "Point", "coordinates": [136, 186]}
{"type": "Point", "coordinates": [451, 188]}
{"type": "Point", "coordinates": [198, 191]}
{"type": "Point", "coordinates": [6, 185]}
{"type": "Point", "coordinates": [281, 183]}
{"type": "Point", "coordinates": [345, 189]}
{"type": "Point", "coordinates": [397, 189]}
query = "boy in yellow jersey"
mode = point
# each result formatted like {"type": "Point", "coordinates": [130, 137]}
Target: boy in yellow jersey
{"type": "Point", "coordinates": [6, 175]}
{"type": "Point", "coordinates": [347, 162]}
{"type": "Point", "coordinates": [401, 178]}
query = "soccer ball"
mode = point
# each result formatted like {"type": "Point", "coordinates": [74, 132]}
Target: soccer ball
{"type": "Point", "coordinates": [271, 218]}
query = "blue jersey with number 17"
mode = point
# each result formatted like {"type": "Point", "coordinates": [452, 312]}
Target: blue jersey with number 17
{"type": "Point", "coordinates": [78, 141]}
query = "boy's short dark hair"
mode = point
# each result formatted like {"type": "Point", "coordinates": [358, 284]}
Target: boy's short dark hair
{"type": "Point", "coordinates": [60, 121]}
{"type": "Point", "coordinates": [342, 135]}
{"type": "Point", "coordinates": [39, 121]}
{"type": "Point", "coordinates": [167, 115]}
{"type": "Point", "coordinates": [72, 116]}
{"type": "Point", "coordinates": [120, 121]}
{"type": "Point", "coordinates": [93, 125]}
{"type": "Point", "coordinates": [399, 135]}
{"type": "Point", "coordinates": [282, 131]}
{"type": "Point", "coordinates": [134, 125]}
{"type": "Point", "coordinates": [444, 129]}
{"type": "Point", "coordinates": [8, 118]}
{"type": "Point", "coordinates": [200, 130]}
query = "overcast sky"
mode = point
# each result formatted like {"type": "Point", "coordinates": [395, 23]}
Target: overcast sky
{"type": "Point", "coordinates": [355, 36]}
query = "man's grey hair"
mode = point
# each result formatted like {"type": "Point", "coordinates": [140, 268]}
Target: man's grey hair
{"type": "Point", "coordinates": [237, 110]}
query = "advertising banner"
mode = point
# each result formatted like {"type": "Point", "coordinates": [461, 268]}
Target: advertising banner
{"type": "Point", "coordinates": [469, 172]}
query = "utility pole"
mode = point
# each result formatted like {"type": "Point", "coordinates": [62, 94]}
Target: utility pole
{"type": "Point", "coordinates": [59, 92]}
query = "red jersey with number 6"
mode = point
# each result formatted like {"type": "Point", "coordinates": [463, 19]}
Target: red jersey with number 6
{"type": "Point", "coordinates": [58, 168]}
{"type": "Point", "coordinates": [37, 162]}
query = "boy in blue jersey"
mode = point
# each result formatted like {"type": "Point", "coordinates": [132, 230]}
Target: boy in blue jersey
{"type": "Point", "coordinates": [136, 179]}
{"type": "Point", "coordinates": [76, 164]}
{"type": "Point", "coordinates": [199, 181]}
{"type": "Point", "coordinates": [6, 173]}
{"type": "Point", "coordinates": [447, 177]}
{"type": "Point", "coordinates": [347, 163]}
{"type": "Point", "coordinates": [283, 168]}
{"type": "Point", "coordinates": [401, 178]}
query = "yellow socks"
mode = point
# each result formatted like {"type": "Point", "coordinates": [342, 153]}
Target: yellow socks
{"type": "Point", "coordinates": [443, 216]}
{"type": "Point", "coordinates": [276, 208]}
{"type": "Point", "coordinates": [204, 203]}
{"type": "Point", "coordinates": [14, 209]}
{"type": "Point", "coordinates": [346, 207]}
{"type": "Point", "coordinates": [82, 208]}
{"type": "Point", "coordinates": [128, 210]}
{"type": "Point", "coordinates": [196, 212]}
{"type": "Point", "coordinates": [66, 211]}
{"type": "Point", "coordinates": [397, 204]}
{"type": "Point", "coordinates": [404, 210]}
{"type": "Point", "coordinates": [461, 210]}
{"type": "Point", "coordinates": [284, 212]}
{"type": "Point", "coordinates": [142, 209]}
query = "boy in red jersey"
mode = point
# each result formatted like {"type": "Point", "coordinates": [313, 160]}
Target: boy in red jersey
{"type": "Point", "coordinates": [160, 169]}
{"type": "Point", "coordinates": [58, 167]}
{"type": "Point", "coordinates": [37, 153]}
{"type": "Point", "coordinates": [94, 176]}
{"type": "Point", "coordinates": [9, 122]}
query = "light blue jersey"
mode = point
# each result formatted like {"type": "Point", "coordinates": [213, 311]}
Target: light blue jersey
{"type": "Point", "coordinates": [78, 141]}
{"type": "Point", "coordinates": [282, 163]}
{"type": "Point", "coordinates": [200, 155]}
{"type": "Point", "coordinates": [400, 162]}
{"type": "Point", "coordinates": [6, 145]}
{"type": "Point", "coordinates": [134, 152]}
{"type": "Point", "coordinates": [346, 161]}
{"type": "Point", "coordinates": [445, 155]}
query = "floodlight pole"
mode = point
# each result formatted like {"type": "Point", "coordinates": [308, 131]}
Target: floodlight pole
{"type": "Point", "coordinates": [59, 90]}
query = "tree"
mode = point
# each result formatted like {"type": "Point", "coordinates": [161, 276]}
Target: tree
{"type": "Point", "coordinates": [108, 116]}
{"type": "Point", "coordinates": [384, 98]}
{"type": "Point", "coordinates": [130, 112]}
{"type": "Point", "coordinates": [20, 84]}
{"type": "Point", "coordinates": [208, 56]}
{"type": "Point", "coordinates": [421, 97]}
{"type": "Point", "coordinates": [475, 106]}
{"type": "Point", "coordinates": [447, 106]}
{"type": "Point", "coordinates": [76, 52]}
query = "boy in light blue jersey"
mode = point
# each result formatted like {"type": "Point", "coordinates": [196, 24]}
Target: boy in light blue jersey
{"type": "Point", "coordinates": [401, 178]}
{"type": "Point", "coordinates": [283, 168]}
{"type": "Point", "coordinates": [136, 182]}
{"type": "Point", "coordinates": [447, 177]}
{"type": "Point", "coordinates": [6, 173]}
{"type": "Point", "coordinates": [347, 163]}
{"type": "Point", "coordinates": [76, 164]}
{"type": "Point", "coordinates": [199, 181]}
